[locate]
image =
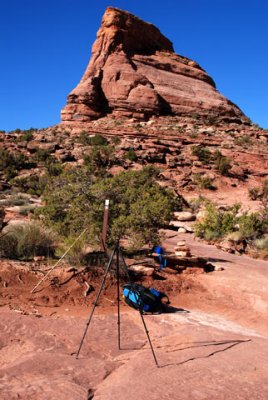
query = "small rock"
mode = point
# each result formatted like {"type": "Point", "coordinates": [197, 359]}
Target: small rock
{"type": "Point", "coordinates": [141, 270]}
{"type": "Point", "coordinates": [182, 254]}
{"type": "Point", "coordinates": [181, 243]}
{"type": "Point", "coordinates": [184, 216]}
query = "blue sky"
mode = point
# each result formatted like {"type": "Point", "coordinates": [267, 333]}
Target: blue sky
{"type": "Point", "coordinates": [45, 46]}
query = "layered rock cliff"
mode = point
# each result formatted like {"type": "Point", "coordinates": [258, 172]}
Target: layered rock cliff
{"type": "Point", "coordinates": [134, 72]}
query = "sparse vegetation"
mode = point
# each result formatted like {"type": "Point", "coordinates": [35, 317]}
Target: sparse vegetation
{"type": "Point", "coordinates": [98, 158]}
{"type": "Point", "coordinates": [16, 199]}
{"type": "Point", "coordinates": [131, 155]}
{"type": "Point", "coordinates": [218, 223]}
{"type": "Point", "coordinates": [27, 135]}
{"type": "Point", "coordinates": [203, 182]}
{"type": "Point", "coordinates": [32, 184]}
{"type": "Point", "coordinates": [42, 155]}
{"type": "Point", "coordinates": [222, 163]}
{"type": "Point", "coordinates": [202, 153]}
{"type": "Point", "coordinates": [11, 163]}
{"type": "Point", "coordinates": [244, 140]}
{"type": "Point", "coordinates": [138, 206]}
{"type": "Point", "coordinates": [259, 192]}
{"type": "Point", "coordinates": [25, 240]}
{"type": "Point", "coordinates": [98, 140]}
{"type": "Point", "coordinates": [116, 140]}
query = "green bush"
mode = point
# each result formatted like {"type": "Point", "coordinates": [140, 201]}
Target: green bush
{"type": "Point", "coordinates": [244, 140]}
{"type": "Point", "coordinates": [254, 193]}
{"type": "Point", "coordinates": [259, 193]}
{"type": "Point", "coordinates": [54, 168]}
{"type": "Point", "coordinates": [42, 155]}
{"type": "Point", "coordinates": [131, 155]}
{"type": "Point", "coordinates": [32, 184]}
{"type": "Point", "coordinates": [11, 163]}
{"type": "Point", "coordinates": [261, 243]}
{"type": "Point", "coordinates": [203, 182]}
{"type": "Point", "coordinates": [138, 205]}
{"type": "Point", "coordinates": [27, 135]}
{"type": "Point", "coordinates": [98, 140]}
{"type": "Point", "coordinates": [222, 163]}
{"type": "Point", "coordinates": [16, 199]}
{"type": "Point", "coordinates": [26, 240]}
{"type": "Point", "coordinates": [98, 158]}
{"type": "Point", "coordinates": [216, 223]}
{"type": "Point", "coordinates": [219, 223]}
{"type": "Point", "coordinates": [116, 140]}
{"type": "Point", "coordinates": [251, 226]}
{"type": "Point", "coordinates": [202, 153]}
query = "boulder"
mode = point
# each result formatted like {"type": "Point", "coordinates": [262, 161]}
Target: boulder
{"type": "Point", "coordinates": [134, 72]}
{"type": "Point", "coordinates": [184, 216]}
{"type": "Point", "coordinates": [141, 270]}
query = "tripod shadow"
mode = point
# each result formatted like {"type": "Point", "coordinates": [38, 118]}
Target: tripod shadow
{"type": "Point", "coordinates": [227, 343]}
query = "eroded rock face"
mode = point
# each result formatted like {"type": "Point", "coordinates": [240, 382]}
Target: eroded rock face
{"type": "Point", "coordinates": [134, 72]}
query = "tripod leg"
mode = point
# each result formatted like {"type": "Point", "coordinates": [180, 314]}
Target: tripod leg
{"type": "Point", "coordinates": [140, 311]}
{"type": "Point", "coordinates": [96, 301]}
{"type": "Point", "coordinates": [118, 299]}
{"type": "Point", "coordinates": [149, 340]}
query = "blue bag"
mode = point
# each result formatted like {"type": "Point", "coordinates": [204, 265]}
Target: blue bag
{"type": "Point", "coordinates": [144, 299]}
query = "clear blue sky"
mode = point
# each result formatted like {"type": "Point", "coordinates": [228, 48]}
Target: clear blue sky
{"type": "Point", "coordinates": [45, 46]}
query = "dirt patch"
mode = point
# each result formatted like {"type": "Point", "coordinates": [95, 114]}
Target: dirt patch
{"type": "Point", "coordinates": [74, 289]}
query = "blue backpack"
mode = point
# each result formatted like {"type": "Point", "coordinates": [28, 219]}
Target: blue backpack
{"type": "Point", "coordinates": [161, 256]}
{"type": "Point", "coordinates": [144, 299]}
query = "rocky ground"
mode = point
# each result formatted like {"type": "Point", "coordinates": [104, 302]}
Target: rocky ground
{"type": "Point", "coordinates": [212, 343]}
{"type": "Point", "coordinates": [165, 142]}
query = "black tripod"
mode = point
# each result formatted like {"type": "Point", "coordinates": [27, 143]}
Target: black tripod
{"type": "Point", "coordinates": [117, 254]}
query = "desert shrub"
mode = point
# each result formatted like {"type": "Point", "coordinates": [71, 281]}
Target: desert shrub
{"type": "Point", "coordinates": [27, 135]}
{"type": "Point", "coordinates": [259, 192]}
{"type": "Point", "coordinates": [222, 163]}
{"type": "Point", "coordinates": [98, 158]}
{"type": "Point", "coordinates": [16, 199]}
{"type": "Point", "coordinates": [203, 182]}
{"type": "Point", "coordinates": [98, 140]}
{"type": "Point", "coordinates": [116, 140]}
{"type": "Point", "coordinates": [87, 140]}
{"type": "Point", "coordinates": [42, 155]}
{"type": "Point", "coordinates": [27, 209]}
{"type": "Point", "coordinates": [131, 155]}
{"type": "Point", "coordinates": [32, 184]}
{"type": "Point", "coordinates": [254, 193]}
{"type": "Point", "coordinates": [202, 153]}
{"type": "Point", "coordinates": [54, 168]}
{"type": "Point", "coordinates": [138, 205]}
{"type": "Point", "coordinates": [244, 140]}
{"type": "Point", "coordinates": [259, 247]}
{"type": "Point", "coordinates": [84, 138]}
{"type": "Point", "coordinates": [261, 243]}
{"type": "Point", "coordinates": [26, 240]}
{"type": "Point", "coordinates": [212, 120]}
{"type": "Point", "coordinates": [196, 203]}
{"type": "Point", "coordinates": [11, 163]}
{"type": "Point", "coordinates": [216, 223]}
{"type": "Point", "coordinates": [251, 226]}
{"type": "Point", "coordinates": [77, 254]}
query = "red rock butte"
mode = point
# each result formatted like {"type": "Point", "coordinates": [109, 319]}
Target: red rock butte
{"type": "Point", "coordinates": [134, 72]}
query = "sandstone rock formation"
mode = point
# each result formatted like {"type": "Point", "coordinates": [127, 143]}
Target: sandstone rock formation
{"type": "Point", "coordinates": [134, 72]}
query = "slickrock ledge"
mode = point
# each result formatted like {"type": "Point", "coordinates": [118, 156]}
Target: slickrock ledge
{"type": "Point", "coordinates": [134, 72]}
